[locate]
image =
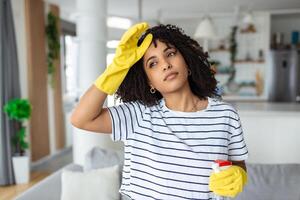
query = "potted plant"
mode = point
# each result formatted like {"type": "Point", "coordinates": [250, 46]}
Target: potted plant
{"type": "Point", "coordinates": [19, 110]}
{"type": "Point", "coordinates": [232, 85]}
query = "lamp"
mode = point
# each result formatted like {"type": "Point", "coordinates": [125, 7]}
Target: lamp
{"type": "Point", "coordinates": [205, 30]}
{"type": "Point", "coordinates": [248, 23]}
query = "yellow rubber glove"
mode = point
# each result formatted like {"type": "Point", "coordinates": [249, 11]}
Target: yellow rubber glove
{"type": "Point", "coordinates": [229, 182]}
{"type": "Point", "coordinates": [127, 54]}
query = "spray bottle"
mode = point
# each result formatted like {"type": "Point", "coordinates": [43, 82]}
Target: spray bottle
{"type": "Point", "coordinates": [218, 166]}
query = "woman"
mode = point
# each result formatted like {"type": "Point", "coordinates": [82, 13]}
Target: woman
{"type": "Point", "coordinates": [172, 122]}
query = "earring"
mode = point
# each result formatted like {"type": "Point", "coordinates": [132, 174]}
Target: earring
{"type": "Point", "coordinates": [152, 90]}
{"type": "Point", "coordinates": [189, 72]}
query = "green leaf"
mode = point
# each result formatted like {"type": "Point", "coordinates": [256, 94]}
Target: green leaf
{"type": "Point", "coordinates": [18, 109]}
{"type": "Point", "coordinates": [53, 44]}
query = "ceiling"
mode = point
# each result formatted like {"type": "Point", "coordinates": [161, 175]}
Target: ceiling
{"type": "Point", "coordinates": [171, 9]}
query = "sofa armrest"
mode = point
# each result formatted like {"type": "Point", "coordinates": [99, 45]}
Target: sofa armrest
{"type": "Point", "coordinates": [49, 188]}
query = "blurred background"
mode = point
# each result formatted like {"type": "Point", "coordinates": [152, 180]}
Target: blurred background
{"type": "Point", "coordinates": [53, 50]}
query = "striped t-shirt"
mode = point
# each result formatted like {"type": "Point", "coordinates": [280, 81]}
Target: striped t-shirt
{"type": "Point", "coordinates": [168, 154]}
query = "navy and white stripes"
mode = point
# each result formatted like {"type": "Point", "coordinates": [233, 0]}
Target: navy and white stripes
{"type": "Point", "coordinates": [168, 154]}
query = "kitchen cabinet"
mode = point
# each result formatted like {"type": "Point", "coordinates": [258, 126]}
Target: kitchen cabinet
{"type": "Point", "coordinates": [283, 24]}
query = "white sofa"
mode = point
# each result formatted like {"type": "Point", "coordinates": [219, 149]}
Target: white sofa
{"type": "Point", "coordinates": [50, 188]}
{"type": "Point", "coordinates": [265, 181]}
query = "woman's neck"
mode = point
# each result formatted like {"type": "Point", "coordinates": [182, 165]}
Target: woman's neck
{"type": "Point", "coordinates": [185, 102]}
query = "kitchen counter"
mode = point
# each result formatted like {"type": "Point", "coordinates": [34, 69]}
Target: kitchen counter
{"type": "Point", "coordinates": [271, 131]}
{"type": "Point", "coordinates": [266, 107]}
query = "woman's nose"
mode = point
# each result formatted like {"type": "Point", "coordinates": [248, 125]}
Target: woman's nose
{"type": "Point", "coordinates": [167, 66]}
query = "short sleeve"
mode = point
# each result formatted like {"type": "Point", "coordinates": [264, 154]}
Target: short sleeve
{"type": "Point", "coordinates": [237, 149]}
{"type": "Point", "coordinates": [124, 119]}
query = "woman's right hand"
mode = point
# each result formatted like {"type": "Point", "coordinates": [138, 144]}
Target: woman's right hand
{"type": "Point", "coordinates": [127, 54]}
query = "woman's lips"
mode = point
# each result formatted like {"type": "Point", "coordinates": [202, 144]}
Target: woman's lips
{"type": "Point", "coordinates": [171, 76]}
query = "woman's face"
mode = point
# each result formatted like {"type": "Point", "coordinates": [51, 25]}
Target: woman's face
{"type": "Point", "coordinates": [165, 67]}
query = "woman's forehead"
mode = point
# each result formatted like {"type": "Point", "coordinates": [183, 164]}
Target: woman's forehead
{"type": "Point", "coordinates": [157, 41]}
{"type": "Point", "coordinates": [158, 46]}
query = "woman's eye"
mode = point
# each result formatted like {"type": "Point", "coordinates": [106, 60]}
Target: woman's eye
{"type": "Point", "coordinates": [171, 54]}
{"type": "Point", "coordinates": [152, 64]}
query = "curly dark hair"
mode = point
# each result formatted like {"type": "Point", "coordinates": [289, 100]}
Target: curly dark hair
{"type": "Point", "coordinates": [203, 84]}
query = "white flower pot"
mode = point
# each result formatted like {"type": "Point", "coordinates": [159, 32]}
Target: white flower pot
{"type": "Point", "coordinates": [21, 169]}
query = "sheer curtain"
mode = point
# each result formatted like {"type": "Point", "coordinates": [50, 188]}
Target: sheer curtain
{"type": "Point", "coordinates": [9, 88]}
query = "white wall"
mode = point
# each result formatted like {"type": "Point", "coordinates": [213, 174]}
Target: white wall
{"type": "Point", "coordinates": [19, 20]}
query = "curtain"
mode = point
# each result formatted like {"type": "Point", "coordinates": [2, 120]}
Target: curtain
{"type": "Point", "coordinates": [9, 88]}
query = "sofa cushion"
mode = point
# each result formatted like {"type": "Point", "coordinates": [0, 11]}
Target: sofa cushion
{"type": "Point", "coordinates": [49, 188]}
{"type": "Point", "coordinates": [100, 158]}
{"type": "Point", "coordinates": [102, 183]}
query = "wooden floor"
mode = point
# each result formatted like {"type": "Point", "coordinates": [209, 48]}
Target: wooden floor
{"type": "Point", "coordinates": [38, 173]}
{"type": "Point", "coordinates": [10, 192]}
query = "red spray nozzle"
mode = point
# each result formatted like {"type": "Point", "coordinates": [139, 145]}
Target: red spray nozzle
{"type": "Point", "coordinates": [223, 163]}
